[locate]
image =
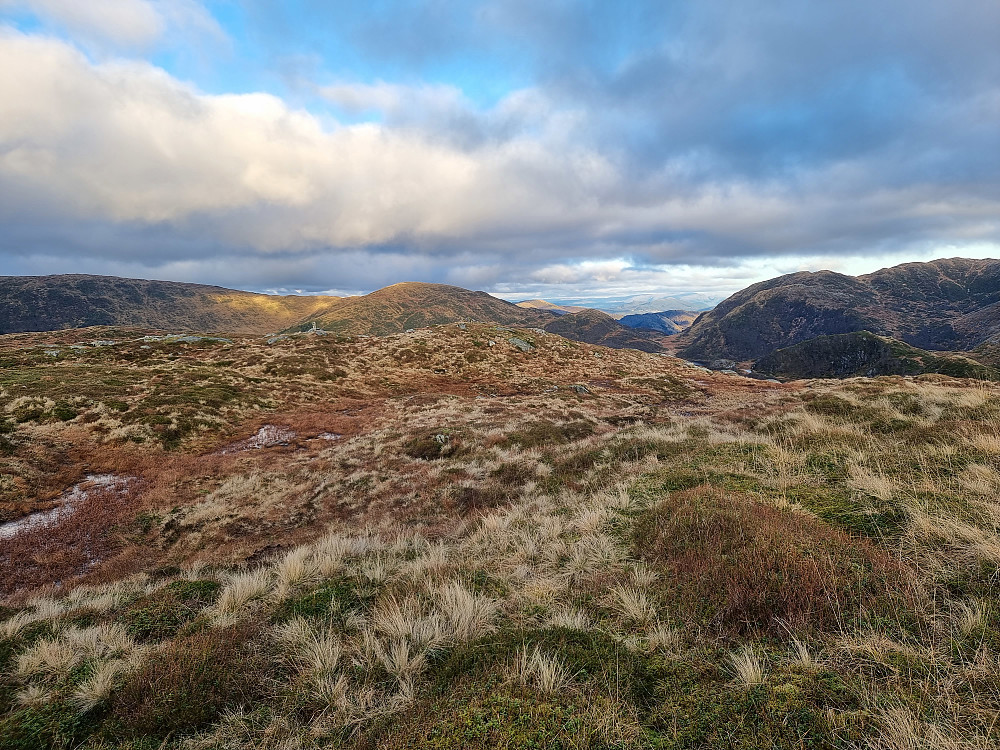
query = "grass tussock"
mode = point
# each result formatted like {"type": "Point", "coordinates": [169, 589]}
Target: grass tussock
{"type": "Point", "coordinates": [746, 566]}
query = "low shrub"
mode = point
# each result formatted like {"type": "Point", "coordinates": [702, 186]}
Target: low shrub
{"type": "Point", "coordinates": [191, 682]}
{"type": "Point", "coordinates": [697, 706]}
{"type": "Point", "coordinates": [54, 725]}
{"type": "Point", "coordinates": [545, 433]}
{"type": "Point", "coordinates": [160, 614]}
{"type": "Point", "coordinates": [430, 447]}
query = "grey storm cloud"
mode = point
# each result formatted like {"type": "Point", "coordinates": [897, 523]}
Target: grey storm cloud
{"type": "Point", "coordinates": [633, 142]}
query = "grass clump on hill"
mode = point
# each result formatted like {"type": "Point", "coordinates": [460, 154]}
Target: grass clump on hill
{"type": "Point", "coordinates": [731, 562]}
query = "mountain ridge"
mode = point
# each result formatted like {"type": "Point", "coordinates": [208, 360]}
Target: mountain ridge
{"type": "Point", "coordinates": [414, 304]}
{"type": "Point", "coordinates": [41, 303]}
{"type": "Point", "coordinates": [947, 304]}
{"type": "Point", "coordinates": [46, 303]}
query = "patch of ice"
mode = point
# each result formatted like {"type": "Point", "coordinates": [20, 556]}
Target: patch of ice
{"type": "Point", "coordinates": [69, 501]}
{"type": "Point", "coordinates": [329, 436]}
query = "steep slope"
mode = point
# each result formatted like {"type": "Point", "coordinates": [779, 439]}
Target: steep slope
{"type": "Point", "coordinates": [399, 307]}
{"type": "Point", "coordinates": [596, 327]}
{"type": "Point", "coordinates": [668, 321]}
{"type": "Point", "coordinates": [867, 355]}
{"type": "Point", "coordinates": [46, 303]}
{"type": "Point", "coordinates": [949, 304]}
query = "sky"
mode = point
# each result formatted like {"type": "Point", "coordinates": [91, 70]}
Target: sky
{"type": "Point", "coordinates": [529, 148]}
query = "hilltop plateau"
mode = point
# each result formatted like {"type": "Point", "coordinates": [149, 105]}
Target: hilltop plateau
{"type": "Point", "coordinates": [399, 307]}
{"type": "Point", "coordinates": [480, 536]}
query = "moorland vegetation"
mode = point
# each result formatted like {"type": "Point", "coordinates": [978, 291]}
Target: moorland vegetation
{"type": "Point", "coordinates": [442, 539]}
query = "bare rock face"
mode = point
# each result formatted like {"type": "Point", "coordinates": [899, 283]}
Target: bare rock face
{"type": "Point", "coordinates": [722, 364]}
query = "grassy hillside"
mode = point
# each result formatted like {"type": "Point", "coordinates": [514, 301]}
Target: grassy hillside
{"type": "Point", "coordinates": [865, 354]}
{"type": "Point", "coordinates": [399, 307]}
{"type": "Point", "coordinates": [46, 303]}
{"type": "Point", "coordinates": [439, 540]}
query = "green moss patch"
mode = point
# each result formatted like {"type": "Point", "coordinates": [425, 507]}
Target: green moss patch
{"type": "Point", "coordinates": [699, 706]}
{"type": "Point", "coordinates": [332, 600]}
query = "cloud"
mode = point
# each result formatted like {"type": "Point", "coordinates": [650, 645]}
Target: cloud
{"type": "Point", "coordinates": [127, 143]}
{"type": "Point", "coordinates": [134, 23]}
{"type": "Point", "coordinates": [128, 24]}
{"type": "Point", "coordinates": [700, 141]}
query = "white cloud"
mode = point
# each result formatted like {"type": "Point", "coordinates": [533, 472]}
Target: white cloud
{"type": "Point", "coordinates": [394, 100]}
{"type": "Point", "coordinates": [126, 142]}
{"type": "Point", "coordinates": [135, 167]}
{"type": "Point", "coordinates": [130, 24]}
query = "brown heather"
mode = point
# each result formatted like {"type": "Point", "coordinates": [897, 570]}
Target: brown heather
{"type": "Point", "coordinates": [749, 567]}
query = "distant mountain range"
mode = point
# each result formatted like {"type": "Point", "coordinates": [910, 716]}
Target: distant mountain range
{"type": "Point", "coordinates": [637, 304]}
{"type": "Point", "coordinates": [651, 303]}
{"type": "Point", "coordinates": [596, 327]}
{"type": "Point", "coordinates": [941, 316]}
{"type": "Point", "coordinates": [540, 304]}
{"type": "Point", "coordinates": [42, 303]}
{"type": "Point", "coordinates": [46, 303]}
{"type": "Point", "coordinates": [668, 321]}
{"type": "Point", "coordinates": [944, 305]}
